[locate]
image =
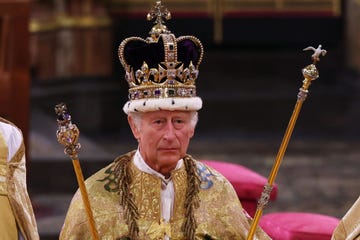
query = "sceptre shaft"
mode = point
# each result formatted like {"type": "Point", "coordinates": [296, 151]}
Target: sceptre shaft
{"type": "Point", "coordinates": [310, 74]}
{"type": "Point", "coordinates": [68, 134]}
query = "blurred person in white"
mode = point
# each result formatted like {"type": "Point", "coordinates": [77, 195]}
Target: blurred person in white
{"type": "Point", "coordinates": [349, 226]}
{"type": "Point", "coordinates": [17, 219]}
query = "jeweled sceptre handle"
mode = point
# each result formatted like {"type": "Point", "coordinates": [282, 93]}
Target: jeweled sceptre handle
{"type": "Point", "coordinates": [310, 74]}
{"type": "Point", "coordinates": [68, 135]}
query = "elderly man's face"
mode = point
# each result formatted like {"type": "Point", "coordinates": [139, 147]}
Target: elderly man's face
{"type": "Point", "coordinates": [163, 138]}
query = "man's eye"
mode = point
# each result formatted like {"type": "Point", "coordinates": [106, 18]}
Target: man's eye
{"type": "Point", "coordinates": [157, 122]}
{"type": "Point", "coordinates": [179, 122]}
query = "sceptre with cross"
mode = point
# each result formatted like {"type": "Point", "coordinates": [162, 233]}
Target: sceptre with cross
{"type": "Point", "coordinates": [310, 74]}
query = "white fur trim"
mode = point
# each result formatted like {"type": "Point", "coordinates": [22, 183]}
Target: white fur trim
{"type": "Point", "coordinates": [171, 104]}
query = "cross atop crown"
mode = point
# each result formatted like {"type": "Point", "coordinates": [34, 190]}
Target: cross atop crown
{"type": "Point", "coordinates": [159, 13]}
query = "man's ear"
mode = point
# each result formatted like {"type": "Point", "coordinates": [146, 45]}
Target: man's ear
{"type": "Point", "coordinates": [133, 127]}
{"type": "Point", "coordinates": [192, 132]}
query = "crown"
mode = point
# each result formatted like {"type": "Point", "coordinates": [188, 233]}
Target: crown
{"type": "Point", "coordinates": [161, 70]}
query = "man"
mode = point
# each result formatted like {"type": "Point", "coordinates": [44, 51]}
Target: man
{"type": "Point", "coordinates": [17, 220]}
{"type": "Point", "coordinates": [349, 226]}
{"type": "Point", "coordinates": [159, 191]}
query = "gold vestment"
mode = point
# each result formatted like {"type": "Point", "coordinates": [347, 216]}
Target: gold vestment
{"type": "Point", "coordinates": [219, 215]}
{"type": "Point", "coordinates": [349, 226]}
{"type": "Point", "coordinates": [16, 209]}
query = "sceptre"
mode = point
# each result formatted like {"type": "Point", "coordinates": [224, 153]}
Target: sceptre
{"type": "Point", "coordinates": [68, 134]}
{"type": "Point", "coordinates": [310, 74]}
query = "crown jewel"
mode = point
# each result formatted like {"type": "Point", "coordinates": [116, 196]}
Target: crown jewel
{"type": "Point", "coordinates": [161, 66]}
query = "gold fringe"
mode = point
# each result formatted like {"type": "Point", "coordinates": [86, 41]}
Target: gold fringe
{"type": "Point", "coordinates": [123, 175]}
{"type": "Point", "coordinates": [192, 198]}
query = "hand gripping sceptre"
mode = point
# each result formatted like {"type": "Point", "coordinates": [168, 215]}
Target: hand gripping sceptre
{"type": "Point", "coordinates": [68, 134]}
{"type": "Point", "coordinates": [310, 74]}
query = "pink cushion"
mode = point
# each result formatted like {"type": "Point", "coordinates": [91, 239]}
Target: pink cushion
{"type": "Point", "coordinates": [247, 183]}
{"type": "Point", "coordinates": [298, 226]}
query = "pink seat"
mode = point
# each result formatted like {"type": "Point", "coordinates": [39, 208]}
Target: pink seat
{"type": "Point", "coordinates": [298, 226]}
{"type": "Point", "coordinates": [247, 183]}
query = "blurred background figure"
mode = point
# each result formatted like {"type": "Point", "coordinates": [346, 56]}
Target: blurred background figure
{"type": "Point", "coordinates": [349, 227]}
{"type": "Point", "coordinates": [17, 219]}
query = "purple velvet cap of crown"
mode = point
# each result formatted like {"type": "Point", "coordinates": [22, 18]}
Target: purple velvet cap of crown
{"type": "Point", "coordinates": [179, 70]}
{"type": "Point", "coordinates": [137, 51]}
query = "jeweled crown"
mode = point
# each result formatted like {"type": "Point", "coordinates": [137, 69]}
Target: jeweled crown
{"type": "Point", "coordinates": [161, 66]}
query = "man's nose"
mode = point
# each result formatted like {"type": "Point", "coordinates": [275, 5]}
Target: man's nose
{"type": "Point", "coordinates": [169, 131]}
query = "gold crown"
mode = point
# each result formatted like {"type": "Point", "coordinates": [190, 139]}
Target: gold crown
{"type": "Point", "coordinates": [161, 66]}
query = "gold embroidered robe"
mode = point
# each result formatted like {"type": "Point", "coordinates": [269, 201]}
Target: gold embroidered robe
{"type": "Point", "coordinates": [220, 215]}
{"type": "Point", "coordinates": [349, 226]}
{"type": "Point", "coordinates": [16, 209]}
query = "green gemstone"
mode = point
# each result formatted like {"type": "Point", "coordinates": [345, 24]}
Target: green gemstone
{"type": "Point", "coordinates": [171, 92]}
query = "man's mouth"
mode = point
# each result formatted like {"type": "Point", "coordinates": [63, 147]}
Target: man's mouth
{"type": "Point", "coordinates": [168, 149]}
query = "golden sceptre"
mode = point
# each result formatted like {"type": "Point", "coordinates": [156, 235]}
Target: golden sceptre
{"type": "Point", "coordinates": [310, 73]}
{"type": "Point", "coordinates": [68, 134]}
